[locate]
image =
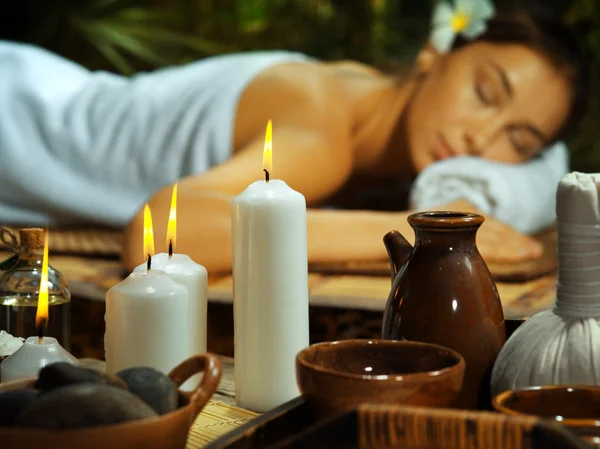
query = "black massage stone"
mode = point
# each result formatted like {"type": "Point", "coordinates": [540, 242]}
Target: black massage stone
{"type": "Point", "coordinates": [12, 403]}
{"type": "Point", "coordinates": [152, 386]}
{"type": "Point", "coordinates": [61, 374]}
{"type": "Point", "coordinates": [83, 405]}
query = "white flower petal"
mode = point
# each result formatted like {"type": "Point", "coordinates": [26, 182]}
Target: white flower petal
{"type": "Point", "coordinates": [475, 29]}
{"type": "Point", "coordinates": [442, 15]}
{"type": "Point", "coordinates": [483, 10]}
{"type": "Point", "coordinates": [465, 6]}
{"type": "Point", "coordinates": [9, 344]}
{"type": "Point", "coordinates": [442, 38]}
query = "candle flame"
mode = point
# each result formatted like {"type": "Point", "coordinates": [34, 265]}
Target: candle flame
{"type": "Point", "coordinates": [268, 151]}
{"type": "Point", "coordinates": [172, 225]}
{"type": "Point", "coordinates": [148, 233]}
{"type": "Point", "coordinates": [41, 316]}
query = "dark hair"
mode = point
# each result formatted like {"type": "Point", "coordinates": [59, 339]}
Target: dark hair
{"type": "Point", "coordinates": [540, 30]}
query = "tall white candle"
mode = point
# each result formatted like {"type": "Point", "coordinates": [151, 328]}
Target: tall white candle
{"type": "Point", "coordinates": [270, 285]}
{"type": "Point", "coordinates": [147, 317]}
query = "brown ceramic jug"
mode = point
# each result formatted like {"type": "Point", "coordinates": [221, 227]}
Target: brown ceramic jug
{"type": "Point", "coordinates": [443, 293]}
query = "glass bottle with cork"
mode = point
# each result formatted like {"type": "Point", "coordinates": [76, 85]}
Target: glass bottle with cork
{"type": "Point", "coordinates": [19, 290]}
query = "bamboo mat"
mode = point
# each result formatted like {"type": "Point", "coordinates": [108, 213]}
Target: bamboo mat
{"type": "Point", "coordinates": [216, 420]}
{"type": "Point", "coordinates": [503, 272]}
{"type": "Point", "coordinates": [90, 242]}
{"type": "Point", "coordinates": [84, 241]}
{"type": "Point", "coordinates": [89, 260]}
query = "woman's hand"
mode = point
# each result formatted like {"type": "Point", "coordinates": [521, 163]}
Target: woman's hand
{"type": "Point", "coordinates": [498, 242]}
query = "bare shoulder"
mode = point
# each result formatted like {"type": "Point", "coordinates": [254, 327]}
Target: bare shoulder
{"type": "Point", "coordinates": [353, 68]}
{"type": "Point", "coordinates": [299, 94]}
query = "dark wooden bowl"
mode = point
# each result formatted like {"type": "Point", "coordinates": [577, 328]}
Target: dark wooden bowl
{"type": "Point", "coordinates": [576, 407]}
{"type": "Point", "coordinates": [168, 431]}
{"type": "Point", "coordinates": [337, 376]}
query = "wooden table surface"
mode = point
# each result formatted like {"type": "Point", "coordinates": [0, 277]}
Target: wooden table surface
{"type": "Point", "coordinates": [90, 278]}
{"type": "Point", "coordinates": [371, 293]}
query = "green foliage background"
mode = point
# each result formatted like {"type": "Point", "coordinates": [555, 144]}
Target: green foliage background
{"type": "Point", "coordinates": [131, 35]}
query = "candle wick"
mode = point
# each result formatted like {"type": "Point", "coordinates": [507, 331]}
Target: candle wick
{"type": "Point", "coordinates": [267, 176]}
{"type": "Point", "coordinates": [149, 263]}
{"type": "Point", "coordinates": [40, 330]}
{"type": "Point", "coordinates": [170, 248]}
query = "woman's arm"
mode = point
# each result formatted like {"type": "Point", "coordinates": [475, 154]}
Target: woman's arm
{"type": "Point", "coordinates": [307, 163]}
{"type": "Point", "coordinates": [204, 231]}
{"type": "Point", "coordinates": [313, 163]}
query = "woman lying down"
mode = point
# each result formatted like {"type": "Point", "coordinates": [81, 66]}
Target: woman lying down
{"type": "Point", "coordinates": [477, 126]}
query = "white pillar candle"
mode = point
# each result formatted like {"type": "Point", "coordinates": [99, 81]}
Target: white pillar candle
{"type": "Point", "coordinates": [195, 278]}
{"type": "Point", "coordinates": [270, 285]}
{"type": "Point", "coordinates": [146, 322]}
{"type": "Point", "coordinates": [31, 357]}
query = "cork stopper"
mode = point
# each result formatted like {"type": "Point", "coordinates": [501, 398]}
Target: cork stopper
{"type": "Point", "coordinates": [32, 239]}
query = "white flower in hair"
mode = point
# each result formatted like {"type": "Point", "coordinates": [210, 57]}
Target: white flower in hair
{"type": "Point", "coordinates": [466, 17]}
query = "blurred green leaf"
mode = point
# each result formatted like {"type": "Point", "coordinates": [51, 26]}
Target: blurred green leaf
{"type": "Point", "coordinates": [168, 37]}
{"type": "Point", "coordinates": [104, 34]}
{"type": "Point", "coordinates": [115, 58]}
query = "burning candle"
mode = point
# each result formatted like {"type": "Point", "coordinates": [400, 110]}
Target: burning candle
{"type": "Point", "coordinates": [194, 277]}
{"type": "Point", "coordinates": [147, 321]}
{"type": "Point", "coordinates": [39, 351]}
{"type": "Point", "coordinates": [270, 285]}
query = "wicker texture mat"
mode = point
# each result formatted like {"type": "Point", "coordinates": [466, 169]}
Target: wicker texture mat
{"type": "Point", "coordinates": [507, 272]}
{"type": "Point", "coordinates": [108, 243]}
{"type": "Point", "coordinates": [82, 242]}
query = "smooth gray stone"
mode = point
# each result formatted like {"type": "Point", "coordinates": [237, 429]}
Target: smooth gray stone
{"type": "Point", "coordinates": [83, 405]}
{"type": "Point", "coordinates": [12, 403]}
{"type": "Point", "coordinates": [154, 387]}
{"type": "Point", "coordinates": [61, 374]}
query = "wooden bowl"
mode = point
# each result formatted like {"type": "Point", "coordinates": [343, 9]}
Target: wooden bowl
{"type": "Point", "coordinates": [168, 431]}
{"type": "Point", "coordinates": [341, 375]}
{"type": "Point", "coordinates": [576, 407]}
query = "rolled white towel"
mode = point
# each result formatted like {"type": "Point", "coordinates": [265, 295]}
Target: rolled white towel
{"type": "Point", "coordinates": [520, 195]}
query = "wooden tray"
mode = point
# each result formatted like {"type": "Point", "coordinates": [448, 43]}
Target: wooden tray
{"type": "Point", "coordinates": [294, 426]}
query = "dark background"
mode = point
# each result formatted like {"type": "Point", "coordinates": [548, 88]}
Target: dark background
{"type": "Point", "coordinates": [129, 35]}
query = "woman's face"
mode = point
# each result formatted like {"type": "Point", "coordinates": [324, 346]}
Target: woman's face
{"type": "Point", "coordinates": [498, 102]}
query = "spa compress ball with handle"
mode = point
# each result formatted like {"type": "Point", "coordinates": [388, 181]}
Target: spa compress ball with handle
{"type": "Point", "coordinates": [562, 345]}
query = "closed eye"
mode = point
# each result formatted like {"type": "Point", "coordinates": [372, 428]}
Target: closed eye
{"type": "Point", "coordinates": [484, 93]}
{"type": "Point", "coordinates": [526, 140]}
{"type": "Point", "coordinates": [492, 85]}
